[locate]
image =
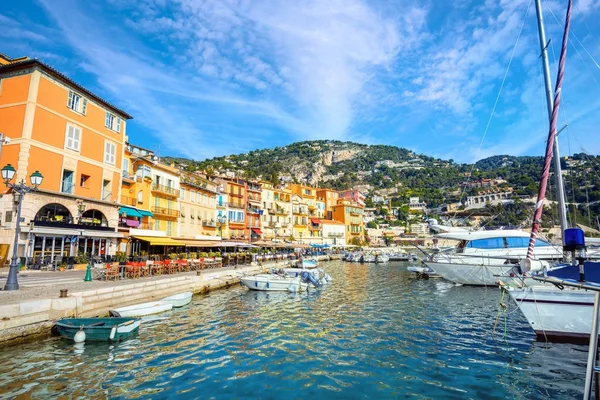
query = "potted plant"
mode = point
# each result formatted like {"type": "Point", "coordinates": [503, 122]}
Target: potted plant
{"type": "Point", "coordinates": [81, 260]}
{"type": "Point", "coordinates": [194, 255]}
{"type": "Point", "coordinates": [63, 266]}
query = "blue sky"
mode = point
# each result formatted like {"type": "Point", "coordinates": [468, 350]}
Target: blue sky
{"type": "Point", "coordinates": [205, 78]}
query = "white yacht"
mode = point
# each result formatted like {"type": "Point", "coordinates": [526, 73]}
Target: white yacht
{"type": "Point", "coordinates": [481, 256]}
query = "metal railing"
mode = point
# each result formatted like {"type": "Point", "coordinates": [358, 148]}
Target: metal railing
{"type": "Point", "coordinates": [209, 223]}
{"type": "Point", "coordinates": [253, 210]}
{"type": "Point", "coordinates": [165, 211]}
{"type": "Point", "coordinates": [236, 205]}
{"type": "Point", "coordinates": [165, 189]}
{"type": "Point", "coordinates": [129, 201]}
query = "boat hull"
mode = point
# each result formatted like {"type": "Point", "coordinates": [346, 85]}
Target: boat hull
{"type": "Point", "coordinates": [470, 274]}
{"type": "Point", "coordinates": [124, 328]}
{"type": "Point", "coordinates": [273, 283]}
{"type": "Point", "coordinates": [554, 314]}
{"type": "Point", "coordinates": [141, 310]}
{"type": "Point", "coordinates": [179, 300]}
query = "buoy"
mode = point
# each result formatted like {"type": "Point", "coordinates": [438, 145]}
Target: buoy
{"type": "Point", "coordinates": [113, 332]}
{"type": "Point", "coordinates": [79, 336]}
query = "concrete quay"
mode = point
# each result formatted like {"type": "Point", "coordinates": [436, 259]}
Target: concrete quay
{"type": "Point", "coordinates": [31, 312]}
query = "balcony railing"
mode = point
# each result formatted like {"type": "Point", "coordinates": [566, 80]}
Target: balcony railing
{"type": "Point", "coordinates": [127, 175]}
{"type": "Point", "coordinates": [165, 190]}
{"type": "Point", "coordinates": [253, 210]}
{"type": "Point", "coordinates": [236, 194]}
{"type": "Point", "coordinates": [277, 211]}
{"type": "Point", "coordinates": [221, 204]}
{"type": "Point", "coordinates": [128, 201]}
{"type": "Point", "coordinates": [169, 212]}
{"type": "Point", "coordinates": [254, 199]}
{"type": "Point", "coordinates": [315, 227]}
{"type": "Point", "coordinates": [236, 205]}
{"type": "Point", "coordinates": [237, 221]}
{"type": "Point", "coordinates": [335, 235]}
{"type": "Point", "coordinates": [254, 188]}
{"type": "Point", "coordinates": [209, 223]}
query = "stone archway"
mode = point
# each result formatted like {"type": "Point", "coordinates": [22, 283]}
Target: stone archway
{"type": "Point", "coordinates": [54, 212]}
{"type": "Point", "coordinates": [94, 218]}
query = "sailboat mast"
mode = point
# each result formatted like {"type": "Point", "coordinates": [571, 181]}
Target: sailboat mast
{"type": "Point", "coordinates": [539, 205]}
{"type": "Point", "coordinates": [560, 191]}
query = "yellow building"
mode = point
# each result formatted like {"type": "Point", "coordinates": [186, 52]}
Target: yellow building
{"type": "Point", "coordinates": [300, 219]}
{"type": "Point", "coordinates": [197, 206]}
{"type": "Point", "coordinates": [330, 197]}
{"type": "Point", "coordinates": [236, 208]}
{"type": "Point", "coordinates": [351, 214]}
{"type": "Point", "coordinates": [277, 212]}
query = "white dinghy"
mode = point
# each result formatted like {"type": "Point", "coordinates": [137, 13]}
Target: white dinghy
{"type": "Point", "coordinates": [142, 309]}
{"type": "Point", "coordinates": [179, 299]}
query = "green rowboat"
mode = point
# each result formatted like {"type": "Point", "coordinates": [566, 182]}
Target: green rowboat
{"type": "Point", "coordinates": [98, 329]}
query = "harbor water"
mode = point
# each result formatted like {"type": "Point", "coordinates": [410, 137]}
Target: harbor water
{"type": "Point", "coordinates": [375, 332]}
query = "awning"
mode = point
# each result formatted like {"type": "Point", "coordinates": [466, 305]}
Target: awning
{"type": "Point", "coordinates": [159, 241]}
{"type": "Point", "coordinates": [200, 243]}
{"type": "Point", "coordinates": [130, 212]}
{"type": "Point", "coordinates": [145, 213]}
{"type": "Point", "coordinates": [315, 221]}
{"type": "Point", "coordinates": [257, 231]}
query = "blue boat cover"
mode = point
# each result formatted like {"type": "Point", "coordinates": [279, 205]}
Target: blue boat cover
{"type": "Point", "coordinates": [568, 271]}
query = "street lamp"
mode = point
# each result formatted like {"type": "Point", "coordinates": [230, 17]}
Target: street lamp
{"type": "Point", "coordinates": [221, 220]}
{"type": "Point", "coordinates": [19, 191]}
{"type": "Point", "coordinates": [80, 210]}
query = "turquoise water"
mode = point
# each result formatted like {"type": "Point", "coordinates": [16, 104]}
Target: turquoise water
{"type": "Point", "coordinates": [374, 333]}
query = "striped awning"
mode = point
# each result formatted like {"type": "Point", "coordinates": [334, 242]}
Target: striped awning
{"type": "Point", "coordinates": [159, 241]}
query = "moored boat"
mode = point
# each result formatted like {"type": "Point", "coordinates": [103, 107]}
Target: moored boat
{"type": "Point", "coordinates": [273, 282]}
{"type": "Point", "coordinates": [98, 329]}
{"type": "Point", "coordinates": [142, 309]}
{"type": "Point", "coordinates": [179, 299]}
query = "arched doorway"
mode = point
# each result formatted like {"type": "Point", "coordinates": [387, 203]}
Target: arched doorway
{"type": "Point", "coordinates": [94, 218]}
{"type": "Point", "coordinates": [54, 212]}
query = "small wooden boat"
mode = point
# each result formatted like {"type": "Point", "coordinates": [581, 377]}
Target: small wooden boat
{"type": "Point", "coordinates": [179, 299]}
{"type": "Point", "coordinates": [98, 329]}
{"type": "Point", "coordinates": [139, 310]}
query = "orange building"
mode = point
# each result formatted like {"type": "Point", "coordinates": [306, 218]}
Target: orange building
{"type": "Point", "coordinates": [76, 140]}
{"type": "Point", "coordinates": [351, 214]}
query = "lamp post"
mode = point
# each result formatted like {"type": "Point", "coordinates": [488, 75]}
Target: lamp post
{"type": "Point", "coordinates": [80, 210]}
{"type": "Point", "coordinates": [19, 191]}
{"type": "Point", "coordinates": [221, 220]}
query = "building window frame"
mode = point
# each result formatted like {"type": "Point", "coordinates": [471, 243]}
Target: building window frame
{"type": "Point", "coordinates": [73, 137]}
{"type": "Point", "coordinates": [76, 102]}
{"type": "Point", "coordinates": [112, 122]}
{"type": "Point", "coordinates": [110, 152]}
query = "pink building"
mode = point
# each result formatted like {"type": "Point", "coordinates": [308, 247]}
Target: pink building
{"type": "Point", "coordinates": [353, 195]}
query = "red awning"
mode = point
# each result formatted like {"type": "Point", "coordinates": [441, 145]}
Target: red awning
{"type": "Point", "coordinates": [315, 221]}
{"type": "Point", "coordinates": [257, 231]}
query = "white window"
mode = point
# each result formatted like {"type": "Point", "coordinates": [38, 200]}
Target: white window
{"type": "Point", "coordinates": [112, 122]}
{"type": "Point", "coordinates": [110, 153]}
{"type": "Point", "coordinates": [77, 102]}
{"type": "Point", "coordinates": [182, 193]}
{"type": "Point", "coordinates": [192, 196]}
{"type": "Point", "coordinates": [73, 139]}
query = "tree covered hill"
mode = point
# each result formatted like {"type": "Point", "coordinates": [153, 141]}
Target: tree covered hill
{"type": "Point", "coordinates": [342, 165]}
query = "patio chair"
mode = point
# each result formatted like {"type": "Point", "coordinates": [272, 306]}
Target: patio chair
{"type": "Point", "coordinates": [112, 272]}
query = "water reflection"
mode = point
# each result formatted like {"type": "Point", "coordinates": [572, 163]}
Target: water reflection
{"type": "Point", "coordinates": [374, 332]}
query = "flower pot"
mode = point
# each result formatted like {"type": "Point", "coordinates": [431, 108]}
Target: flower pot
{"type": "Point", "coordinates": [61, 269]}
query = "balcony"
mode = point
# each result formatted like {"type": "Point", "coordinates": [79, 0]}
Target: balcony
{"type": "Point", "coordinates": [211, 224]}
{"type": "Point", "coordinates": [301, 211]}
{"type": "Point", "coordinates": [236, 194]}
{"type": "Point", "coordinates": [221, 204]}
{"type": "Point", "coordinates": [254, 188]}
{"type": "Point", "coordinates": [335, 235]}
{"type": "Point", "coordinates": [315, 227]}
{"type": "Point", "coordinates": [354, 213]}
{"type": "Point", "coordinates": [127, 175]}
{"type": "Point", "coordinates": [167, 212]}
{"type": "Point", "coordinates": [166, 190]}
{"type": "Point", "coordinates": [253, 210]}
{"type": "Point", "coordinates": [237, 221]}
{"type": "Point", "coordinates": [236, 205]}
{"type": "Point", "coordinates": [254, 199]}
{"type": "Point", "coordinates": [276, 210]}
{"type": "Point", "coordinates": [128, 201]}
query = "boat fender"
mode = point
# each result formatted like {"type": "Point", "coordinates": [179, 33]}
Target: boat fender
{"type": "Point", "coordinates": [268, 285]}
{"type": "Point", "coordinates": [528, 265]}
{"type": "Point", "coordinates": [79, 336]}
{"type": "Point", "coordinates": [255, 283]}
{"type": "Point", "coordinates": [113, 333]}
